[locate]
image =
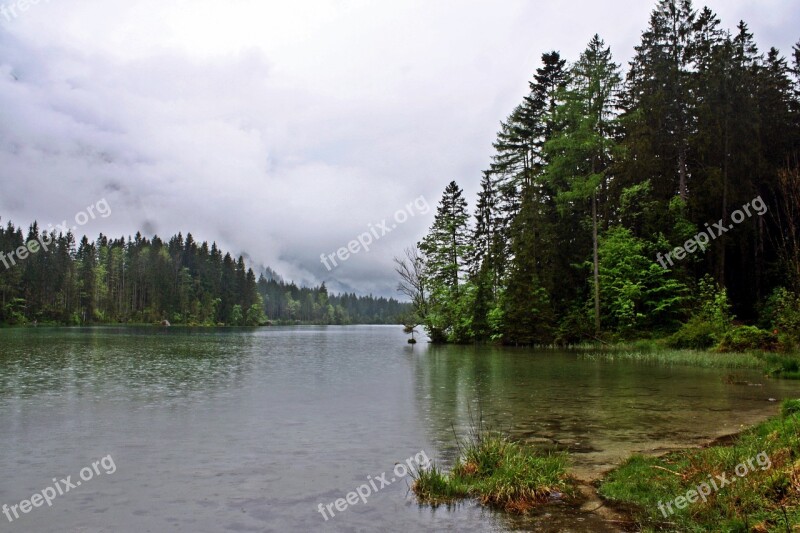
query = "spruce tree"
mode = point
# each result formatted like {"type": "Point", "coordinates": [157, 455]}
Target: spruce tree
{"type": "Point", "coordinates": [445, 250]}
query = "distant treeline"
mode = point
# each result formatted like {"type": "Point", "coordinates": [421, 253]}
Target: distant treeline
{"type": "Point", "coordinates": [139, 280]}
{"type": "Point", "coordinates": [596, 212]}
{"type": "Point", "coordinates": [288, 302]}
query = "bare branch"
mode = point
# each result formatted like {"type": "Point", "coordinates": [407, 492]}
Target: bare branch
{"type": "Point", "coordinates": [411, 270]}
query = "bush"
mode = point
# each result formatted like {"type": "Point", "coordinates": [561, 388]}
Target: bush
{"type": "Point", "coordinates": [745, 338]}
{"type": "Point", "coordinates": [697, 334]}
{"type": "Point", "coordinates": [711, 319]}
{"type": "Point", "coordinates": [782, 313]}
{"type": "Point", "coordinates": [575, 327]}
{"type": "Point", "coordinates": [713, 305]}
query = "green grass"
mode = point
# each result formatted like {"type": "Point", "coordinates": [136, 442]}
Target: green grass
{"type": "Point", "coordinates": [782, 366]}
{"type": "Point", "coordinates": [667, 356]}
{"type": "Point", "coordinates": [499, 473]}
{"type": "Point", "coordinates": [775, 365]}
{"type": "Point", "coordinates": [763, 500]}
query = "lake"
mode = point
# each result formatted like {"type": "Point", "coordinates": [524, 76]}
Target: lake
{"type": "Point", "coordinates": [251, 429]}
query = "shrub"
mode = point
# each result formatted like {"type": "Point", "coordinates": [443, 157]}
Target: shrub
{"type": "Point", "coordinates": [745, 338]}
{"type": "Point", "coordinates": [697, 334]}
{"type": "Point", "coordinates": [710, 321]}
{"type": "Point", "coordinates": [782, 311]}
{"type": "Point", "coordinates": [713, 305]}
{"type": "Point", "coordinates": [575, 327]}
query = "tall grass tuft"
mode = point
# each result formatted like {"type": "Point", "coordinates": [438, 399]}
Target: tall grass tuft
{"type": "Point", "coordinates": [498, 472]}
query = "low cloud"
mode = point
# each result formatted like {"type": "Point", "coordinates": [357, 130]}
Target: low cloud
{"type": "Point", "coordinates": [277, 130]}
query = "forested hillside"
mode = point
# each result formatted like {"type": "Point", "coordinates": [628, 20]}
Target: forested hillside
{"type": "Point", "coordinates": [143, 280]}
{"type": "Point", "coordinates": [626, 203]}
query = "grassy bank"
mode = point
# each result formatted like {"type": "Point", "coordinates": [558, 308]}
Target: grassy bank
{"type": "Point", "coordinates": [499, 473]}
{"type": "Point", "coordinates": [785, 366]}
{"type": "Point", "coordinates": [680, 357]}
{"type": "Point", "coordinates": [676, 492]}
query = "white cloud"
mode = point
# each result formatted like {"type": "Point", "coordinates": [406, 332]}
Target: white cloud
{"type": "Point", "coordinates": [280, 129]}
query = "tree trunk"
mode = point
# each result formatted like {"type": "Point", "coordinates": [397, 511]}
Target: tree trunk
{"type": "Point", "coordinates": [721, 271]}
{"type": "Point", "coordinates": [596, 265]}
{"type": "Point", "coordinates": [684, 194]}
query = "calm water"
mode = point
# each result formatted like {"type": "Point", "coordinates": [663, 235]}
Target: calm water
{"type": "Point", "coordinates": [249, 430]}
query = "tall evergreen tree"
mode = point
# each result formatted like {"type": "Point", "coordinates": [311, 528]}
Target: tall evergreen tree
{"type": "Point", "coordinates": [659, 101]}
{"type": "Point", "coordinates": [582, 151]}
{"type": "Point", "coordinates": [445, 250]}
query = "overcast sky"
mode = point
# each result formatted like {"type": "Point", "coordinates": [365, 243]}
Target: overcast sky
{"type": "Point", "coordinates": [282, 129]}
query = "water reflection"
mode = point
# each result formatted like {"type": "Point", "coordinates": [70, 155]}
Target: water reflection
{"type": "Point", "coordinates": [599, 411]}
{"type": "Point", "coordinates": [121, 364]}
{"type": "Point", "coordinates": [249, 430]}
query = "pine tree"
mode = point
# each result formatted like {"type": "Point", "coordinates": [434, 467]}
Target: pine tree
{"type": "Point", "coordinates": [527, 313]}
{"type": "Point", "coordinates": [445, 250]}
{"type": "Point", "coordinates": [659, 101]}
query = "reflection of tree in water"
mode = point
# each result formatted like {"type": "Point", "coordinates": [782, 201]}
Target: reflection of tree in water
{"type": "Point", "coordinates": [546, 399]}
{"type": "Point", "coordinates": [599, 411]}
{"type": "Point", "coordinates": [458, 386]}
{"type": "Point", "coordinates": [123, 363]}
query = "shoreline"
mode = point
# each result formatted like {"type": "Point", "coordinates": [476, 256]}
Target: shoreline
{"type": "Point", "coordinates": [640, 485]}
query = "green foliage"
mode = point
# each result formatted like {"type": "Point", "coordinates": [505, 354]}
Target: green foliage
{"type": "Point", "coordinates": [636, 293]}
{"type": "Point", "coordinates": [237, 318]}
{"type": "Point", "coordinates": [680, 228]}
{"type": "Point", "coordinates": [434, 487]}
{"type": "Point", "coordinates": [744, 338]}
{"type": "Point", "coordinates": [575, 326]}
{"type": "Point", "coordinates": [782, 313]}
{"type": "Point", "coordinates": [255, 316]}
{"type": "Point", "coordinates": [697, 334]}
{"type": "Point", "coordinates": [710, 321]}
{"type": "Point", "coordinates": [445, 250]}
{"type": "Point", "coordinates": [462, 328]}
{"type": "Point", "coordinates": [14, 312]}
{"type": "Point", "coordinates": [527, 313]}
{"type": "Point", "coordinates": [636, 208]}
{"type": "Point", "coordinates": [712, 304]}
{"type": "Point", "coordinates": [594, 180]}
{"type": "Point", "coordinates": [496, 319]}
